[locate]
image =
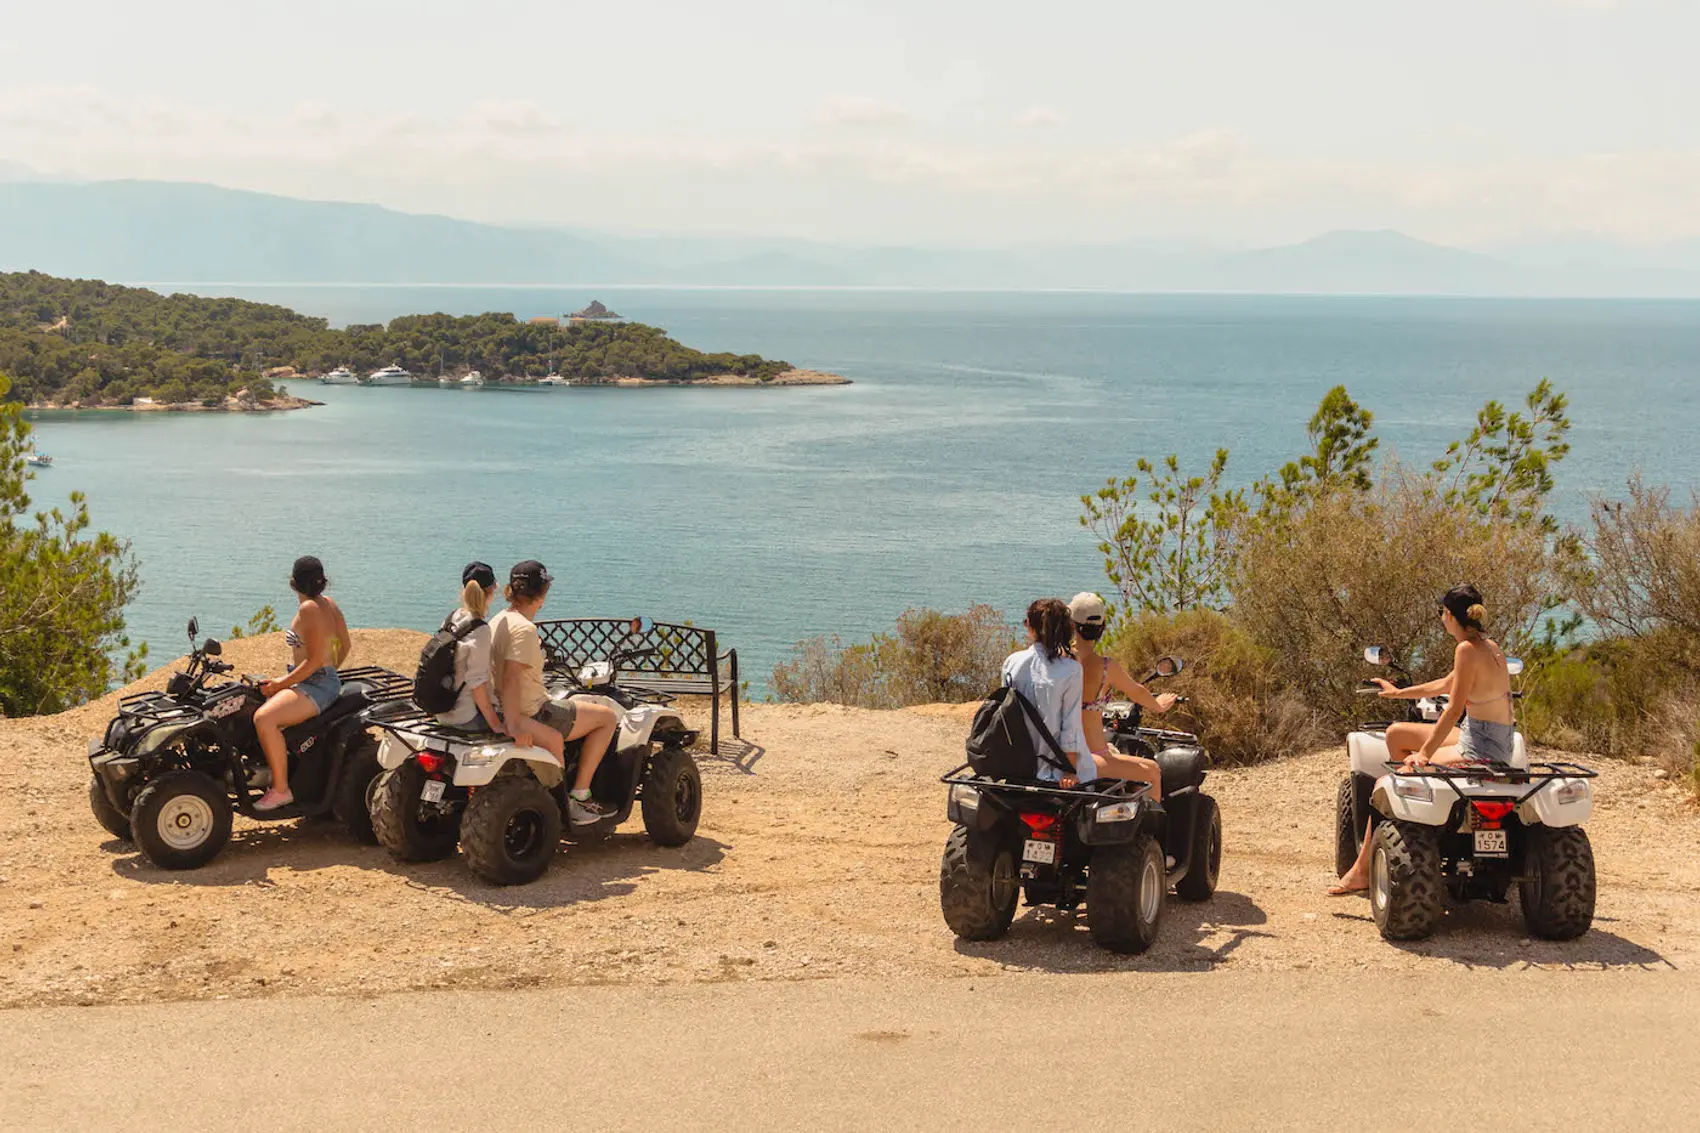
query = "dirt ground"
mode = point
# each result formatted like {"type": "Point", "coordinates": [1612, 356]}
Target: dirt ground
{"type": "Point", "coordinates": [817, 857]}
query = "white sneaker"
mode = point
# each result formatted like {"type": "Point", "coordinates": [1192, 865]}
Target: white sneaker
{"type": "Point", "coordinates": [586, 812]}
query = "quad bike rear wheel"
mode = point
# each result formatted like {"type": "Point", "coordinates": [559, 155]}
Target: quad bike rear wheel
{"type": "Point", "coordinates": [1405, 883]}
{"type": "Point", "coordinates": [510, 830]}
{"type": "Point", "coordinates": [1125, 888]}
{"type": "Point", "coordinates": [360, 767]}
{"type": "Point", "coordinates": [979, 884]}
{"type": "Point", "coordinates": [181, 820]}
{"type": "Point", "coordinates": [114, 821]}
{"type": "Point", "coordinates": [409, 831]}
{"type": "Point", "coordinates": [1346, 833]}
{"type": "Point", "coordinates": [1205, 852]}
{"type": "Point", "coordinates": [672, 797]}
{"type": "Point", "coordinates": [1557, 890]}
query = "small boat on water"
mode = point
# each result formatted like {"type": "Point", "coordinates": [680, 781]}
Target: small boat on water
{"type": "Point", "coordinates": [39, 459]}
{"type": "Point", "coordinates": [341, 376]}
{"type": "Point", "coordinates": [552, 380]}
{"type": "Point", "coordinates": [474, 380]}
{"type": "Point", "coordinates": [388, 376]}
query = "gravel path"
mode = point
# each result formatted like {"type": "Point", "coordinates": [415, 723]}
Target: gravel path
{"type": "Point", "coordinates": [817, 858]}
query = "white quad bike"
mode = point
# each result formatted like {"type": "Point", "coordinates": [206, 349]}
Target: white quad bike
{"type": "Point", "coordinates": [505, 803]}
{"type": "Point", "coordinates": [1465, 832]}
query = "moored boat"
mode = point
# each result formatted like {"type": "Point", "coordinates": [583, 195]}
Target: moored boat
{"type": "Point", "coordinates": [472, 380]}
{"type": "Point", "coordinates": [341, 376]}
{"type": "Point", "coordinates": [388, 376]}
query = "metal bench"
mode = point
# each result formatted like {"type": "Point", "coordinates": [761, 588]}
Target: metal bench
{"type": "Point", "coordinates": [686, 659]}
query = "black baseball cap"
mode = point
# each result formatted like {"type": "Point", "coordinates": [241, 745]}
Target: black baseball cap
{"type": "Point", "coordinates": [481, 573]}
{"type": "Point", "coordinates": [531, 573]}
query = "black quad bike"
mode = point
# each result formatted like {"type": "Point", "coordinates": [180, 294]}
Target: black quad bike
{"type": "Point", "coordinates": [506, 805]}
{"type": "Point", "coordinates": [173, 766]}
{"type": "Point", "coordinates": [1103, 842]}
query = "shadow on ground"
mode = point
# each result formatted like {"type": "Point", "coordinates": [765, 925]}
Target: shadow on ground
{"type": "Point", "coordinates": [1482, 935]}
{"type": "Point", "coordinates": [1194, 936]}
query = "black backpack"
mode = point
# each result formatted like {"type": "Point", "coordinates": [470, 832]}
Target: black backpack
{"type": "Point", "coordinates": [434, 688]}
{"type": "Point", "coordinates": [1000, 745]}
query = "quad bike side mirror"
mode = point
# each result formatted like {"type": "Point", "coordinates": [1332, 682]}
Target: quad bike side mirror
{"type": "Point", "coordinates": [212, 647]}
{"type": "Point", "coordinates": [194, 629]}
{"type": "Point", "coordinates": [1513, 665]}
{"type": "Point", "coordinates": [1378, 655]}
{"type": "Point", "coordinates": [1169, 666]}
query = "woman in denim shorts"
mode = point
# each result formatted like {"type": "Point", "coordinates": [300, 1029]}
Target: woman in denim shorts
{"type": "Point", "coordinates": [318, 642]}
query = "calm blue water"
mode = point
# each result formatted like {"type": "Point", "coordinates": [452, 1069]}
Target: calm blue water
{"type": "Point", "coordinates": [949, 473]}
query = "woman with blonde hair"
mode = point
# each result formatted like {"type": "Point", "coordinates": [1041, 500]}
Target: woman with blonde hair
{"type": "Point", "coordinates": [474, 709]}
{"type": "Point", "coordinates": [1478, 725]}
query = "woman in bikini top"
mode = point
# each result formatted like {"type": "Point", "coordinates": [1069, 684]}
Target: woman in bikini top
{"type": "Point", "coordinates": [318, 642]}
{"type": "Point", "coordinates": [1108, 677]}
{"type": "Point", "coordinates": [1478, 692]}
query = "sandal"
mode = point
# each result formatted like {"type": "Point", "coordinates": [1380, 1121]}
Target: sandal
{"type": "Point", "coordinates": [274, 799]}
{"type": "Point", "coordinates": [1348, 890]}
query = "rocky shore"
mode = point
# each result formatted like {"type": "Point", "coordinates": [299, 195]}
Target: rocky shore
{"type": "Point", "coordinates": [234, 404]}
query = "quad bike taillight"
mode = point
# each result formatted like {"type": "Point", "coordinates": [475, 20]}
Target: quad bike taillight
{"type": "Point", "coordinates": [429, 762]}
{"type": "Point", "coordinates": [1040, 824]}
{"type": "Point", "coordinates": [1490, 814]}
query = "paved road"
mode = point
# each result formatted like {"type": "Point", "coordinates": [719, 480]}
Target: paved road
{"type": "Point", "coordinates": [1222, 1050]}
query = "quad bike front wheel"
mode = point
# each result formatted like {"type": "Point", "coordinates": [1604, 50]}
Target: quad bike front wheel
{"type": "Point", "coordinates": [181, 820]}
{"type": "Point", "coordinates": [1557, 889]}
{"type": "Point", "coordinates": [1125, 888]}
{"type": "Point", "coordinates": [979, 884]}
{"type": "Point", "coordinates": [511, 830]}
{"type": "Point", "coordinates": [411, 829]}
{"type": "Point", "coordinates": [1205, 852]}
{"type": "Point", "coordinates": [360, 767]}
{"type": "Point", "coordinates": [1405, 883]}
{"type": "Point", "coordinates": [1346, 832]}
{"type": "Point", "coordinates": [114, 821]}
{"type": "Point", "coordinates": [672, 797]}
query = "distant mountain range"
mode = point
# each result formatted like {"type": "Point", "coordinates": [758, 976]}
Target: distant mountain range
{"type": "Point", "coordinates": [169, 232]}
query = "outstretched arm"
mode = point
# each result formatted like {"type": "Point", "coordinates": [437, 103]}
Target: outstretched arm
{"type": "Point", "coordinates": [1136, 692]}
{"type": "Point", "coordinates": [1441, 686]}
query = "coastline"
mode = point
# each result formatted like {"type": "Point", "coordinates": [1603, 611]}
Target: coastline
{"type": "Point", "coordinates": [787, 378]}
{"type": "Point", "coordinates": [229, 405]}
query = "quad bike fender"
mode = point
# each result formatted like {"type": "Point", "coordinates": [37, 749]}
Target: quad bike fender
{"type": "Point", "coordinates": [642, 723]}
{"type": "Point", "coordinates": [1368, 753]}
{"type": "Point", "coordinates": [1563, 802]}
{"type": "Point", "coordinates": [478, 764]}
{"type": "Point", "coordinates": [1425, 801]}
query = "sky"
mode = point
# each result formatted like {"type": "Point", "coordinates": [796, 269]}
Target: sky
{"type": "Point", "coordinates": [1232, 122]}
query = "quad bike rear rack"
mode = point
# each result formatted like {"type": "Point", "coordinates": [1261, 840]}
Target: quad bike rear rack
{"type": "Point", "coordinates": [1115, 789]}
{"type": "Point", "coordinates": [1542, 774]}
{"type": "Point", "coordinates": [384, 685]}
{"type": "Point", "coordinates": [414, 724]}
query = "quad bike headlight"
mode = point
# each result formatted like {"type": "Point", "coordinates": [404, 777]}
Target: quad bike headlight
{"type": "Point", "coordinates": [1116, 812]}
{"type": "Point", "coordinates": [1571, 791]}
{"type": "Point", "coordinates": [1414, 787]}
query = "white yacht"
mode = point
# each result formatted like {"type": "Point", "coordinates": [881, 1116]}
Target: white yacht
{"type": "Point", "coordinates": [552, 380]}
{"type": "Point", "coordinates": [388, 376]}
{"type": "Point", "coordinates": [341, 376]}
{"type": "Point", "coordinates": [473, 380]}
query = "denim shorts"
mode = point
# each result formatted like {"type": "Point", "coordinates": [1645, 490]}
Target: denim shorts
{"type": "Point", "coordinates": [322, 688]}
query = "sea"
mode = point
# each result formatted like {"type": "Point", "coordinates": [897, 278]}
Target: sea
{"type": "Point", "coordinates": [949, 473]}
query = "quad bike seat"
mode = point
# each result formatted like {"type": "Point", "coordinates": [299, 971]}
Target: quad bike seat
{"type": "Point", "coordinates": [352, 699]}
{"type": "Point", "coordinates": [1182, 767]}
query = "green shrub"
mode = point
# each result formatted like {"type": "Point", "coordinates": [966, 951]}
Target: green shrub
{"type": "Point", "coordinates": [1235, 704]}
{"type": "Point", "coordinates": [929, 658]}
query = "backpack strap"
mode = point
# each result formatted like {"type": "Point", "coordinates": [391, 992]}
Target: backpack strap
{"type": "Point", "coordinates": [461, 633]}
{"type": "Point", "coordinates": [1055, 756]}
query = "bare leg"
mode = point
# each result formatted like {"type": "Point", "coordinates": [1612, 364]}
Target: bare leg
{"type": "Point", "coordinates": [595, 724]}
{"type": "Point", "coordinates": [547, 738]}
{"type": "Point", "coordinates": [284, 709]}
{"type": "Point", "coordinates": [1115, 765]}
{"type": "Point", "coordinates": [1356, 879]}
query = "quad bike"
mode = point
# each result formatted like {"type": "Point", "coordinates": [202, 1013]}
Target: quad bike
{"type": "Point", "coordinates": [504, 804]}
{"type": "Point", "coordinates": [1465, 832]}
{"type": "Point", "coordinates": [1104, 842]}
{"type": "Point", "coordinates": [172, 766]}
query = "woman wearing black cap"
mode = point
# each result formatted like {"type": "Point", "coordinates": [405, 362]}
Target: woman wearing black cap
{"type": "Point", "coordinates": [528, 714]}
{"type": "Point", "coordinates": [475, 707]}
{"type": "Point", "coordinates": [1478, 692]}
{"type": "Point", "coordinates": [318, 641]}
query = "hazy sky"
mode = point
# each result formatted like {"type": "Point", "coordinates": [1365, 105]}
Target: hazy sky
{"type": "Point", "coordinates": [1471, 121]}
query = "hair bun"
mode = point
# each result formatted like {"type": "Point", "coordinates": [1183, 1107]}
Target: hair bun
{"type": "Point", "coordinates": [1477, 612]}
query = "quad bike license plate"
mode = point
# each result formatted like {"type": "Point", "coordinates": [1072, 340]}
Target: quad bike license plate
{"type": "Point", "coordinates": [1491, 844]}
{"type": "Point", "coordinates": [1039, 851]}
{"type": "Point", "coordinates": [432, 792]}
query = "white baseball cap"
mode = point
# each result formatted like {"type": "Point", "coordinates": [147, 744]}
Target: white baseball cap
{"type": "Point", "coordinates": [1087, 609]}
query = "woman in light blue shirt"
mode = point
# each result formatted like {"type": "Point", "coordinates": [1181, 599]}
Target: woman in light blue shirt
{"type": "Point", "coordinates": [1051, 681]}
